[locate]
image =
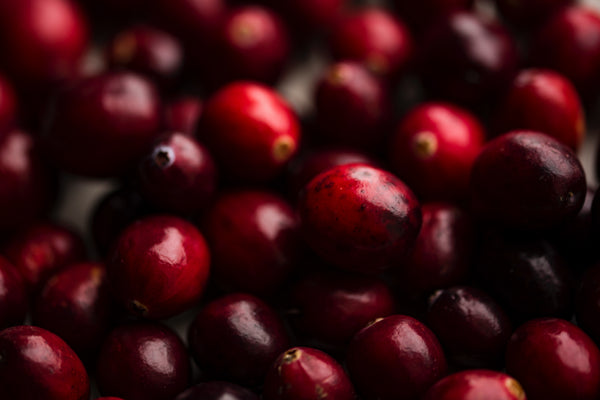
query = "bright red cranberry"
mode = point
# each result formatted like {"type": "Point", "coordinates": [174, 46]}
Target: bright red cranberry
{"type": "Point", "coordinates": [395, 358]}
{"type": "Point", "coordinates": [374, 37]}
{"type": "Point", "coordinates": [422, 14]}
{"type": "Point", "coordinates": [433, 149]}
{"type": "Point", "coordinates": [527, 180]}
{"type": "Point", "coordinates": [103, 124]}
{"type": "Point", "coordinates": [37, 364]}
{"type": "Point", "coordinates": [8, 105]}
{"type": "Point", "coordinates": [529, 13]}
{"type": "Point", "coordinates": [177, 174]}
{"type": "Point", "coordinates": [143, 361]}
{"type": "Point", "coordinates": [237, 337]}
{"type": "Point", "coordinates": [159, 267]}
{"type": "Point", "coordinates": [587, 304]}
{"type": "Point", "coordinates": [554, 360]}
{"type": "Point", "coordinates": [13, 295]}
{"type": "Point", "coordinates": [330, 307]}
{"type": "Point", "coordinates": [353, 107]}
{"type": "Point", "coordinates": [467, 59]}
{"type": "Point", "coordinates": [43, 249]}
{"type": "Point", "coordinates": [302, 373]}
{"type": "Point", "coordinates": [251, 131]}
{"type": "Point", "coordinates": [255, 241]}
{"type": "Point", "coordinates": [476, 384]}
{"type": "Point", "coordinates": [359, 217]}
{"type": "Point", "coordinates": [217, 391]}
{"type": "Point", "coordinates": [183, 114]}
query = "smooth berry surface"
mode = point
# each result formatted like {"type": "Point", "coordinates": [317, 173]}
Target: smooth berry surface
{"type": "Point", "coordinates": [476, 384]}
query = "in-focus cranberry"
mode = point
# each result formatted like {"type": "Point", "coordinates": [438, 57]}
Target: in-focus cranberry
{"type": "Point", "coordinates": [422, 14]}
{"type": "Point", "coordinates": [183, 114]}
{"type": "Point", "coordinates": [587, 304]}
{"type": "Point", "coordinates": [8, 105]}
{"type": "Point", "coordinates": [13, 295]}
{"type": "Point", "coordinates": [529, 14]}
{"type": "Point", "coordinates": [476, 384]}
{"type": "Point", "coordinates": [217, 391]}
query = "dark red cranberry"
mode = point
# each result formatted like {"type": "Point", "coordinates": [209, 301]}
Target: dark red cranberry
{"type": "Point", "coordinates": [254, 239]}
{"type": "Point", "coordinates": [183, 114]}
{"type": "Point", "coordinates": [476, 384]}
{"type": "Point", "coordinates": [433, 149]}
{"type": "Point", "coordinates": [177, 174]}
{"type": "Point", "coordinates": [422, 14]}
{"type": "Point", "coordinates": [109, 398]}
{"type": "Point", "coordinates": [306, 16]}
{"type": "Point", "coordinates": [330, 307]}
{"type": "Point", "coordinates": [143, 361]}
{"type": "Point", "coordinates": [43, 249]}
{"type": "Point", "coordinates": [554, 360]}
{"type": "Point", "coordinates": [359, 217]}
{"type": "Point", "coordinates": [103, 124]}
{"type": "Point", "coordinates": [13, 295]}
{"type": "Point", "coordinates": [159, 267]}
{"type": "Point", "coordinates": [395, 358]}
{"type": "Point", "coordinates": [37, 364]}
{"type": "Point", "coordinates": [237, 337]}
{"type": "Point", "coordinates": [217, 391]}
{"type": "Point", "coordinates": [528, 14]}
{"type": "Point", "coordinates": [587, 304]}
{"type": "Point", "coordinates": [468, 59]}
{"type": "Point", "coordinates": [302, 373]}
{"type": "Point", "coordinates": [353, 107]}
{"type": "Point", "coordinates": [527, 180]}
{"type": "Point", "coordinates": [8, 105]}
{"type": "Point", "coordinates": [374, 37]}
{"type": "Point", "coordinates": [251, 131]}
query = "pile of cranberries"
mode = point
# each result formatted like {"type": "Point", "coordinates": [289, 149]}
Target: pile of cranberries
{"type": "Point", "coordinates": [421, 228]}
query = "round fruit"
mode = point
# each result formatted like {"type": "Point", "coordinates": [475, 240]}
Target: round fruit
{"type": "Point", "coordinates": [217, 391]}
{"type": "Point", "coordinates": [478, 384]}
{"type": "Point", "coordinates": [423, 14]}
{"type": "Point", "coordinates": [13, 296]}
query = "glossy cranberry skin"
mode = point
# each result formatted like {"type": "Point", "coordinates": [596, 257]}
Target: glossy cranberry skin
{"type": "Point", "coordinates": [529, 14]}
{"type": "Point", "coordinates": [543, 101]}
{"type": "Point", "coordinates": [183, 114]}
{"type": "Point", "coordinates": [467, 59]}
{"type": "Point", "coordinates": [359, 218]}
{"type": "Point", "coordinates": [422, 14]}
{"type": "Point", "coordinates": [375, 38]}
{"type": "Point", "coordinates": [178, 174]}
{"type": "Point", "coordinates": [143, 361]}
{"type": "Point", "coordinates": [250, 130]}
{"type": "Point", "coordinates": [103, 124]}
{"type": "Point", "coordinates": [37, 364]}
{"type": "Point", "coordinates": [527, 180]}
{"type": "Point", "coordinates": [43, 249]}
{"type": "Point", "coordinates": [217, 391]}
{"type": "Point", "coordinates": [478, 384]}
{"type": "Point", "coordinates": [302, 373]}
{"type": "Point", "coordinates": [587, 303]}
{"type": "Point", "coordinates": [554, 359]}
{"type": "Point", "coordinates": [13, 295]}
{"type": "Point", "coordinates": [8, 105]}
{"type": "Point", "coordinates": [237, 337]}
{"type": "Point", "coordinates": [255, 240]}
{"type": "Point", "coordinates": [396, 357]}
{"type": "Point", "coordinates": [353, 107]}
{"type": "Point", "coordinates": [433, 150]}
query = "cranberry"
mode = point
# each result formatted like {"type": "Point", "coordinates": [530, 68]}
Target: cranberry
{"type": "Point", "coordinates": [13, 296]}
{"type": "Point", "coordinates": [543, 101]}
{"type": "Point", "coordinates": [467, 58]}
{"type": "Point", "coordinates": [527, 180]}
{"type": "Point", "coordinates": [530, 13]}
{"type": "Point", "coordinates": [177, 174]}
{"type": "Point", "coordinates": [587, 306]}
{"type": "Point", "coordinates": [374, 37]}
{"type": "Point", "coordinates": [43, 249]}
{"type": "Point", "coordinates": [304, 373]}
{"type": "Point", "coordinates": [433, 149]}
{"type": "Point", "coordinates": [103, 124]}
{"type": "Point", "coordinates": [237, 336]}
{"type": "Point", "coordinates": [8, 105]}
{"type": "Point", "coordinates": [36, 364]}
{"type": "Point", "coordinates": [183, 114]}
{"type": "Point", "coordinates": [307, 16]}
{"type": "Point", "coordinates": [476, 384]}
{"type": "Point", "coordinates": [395, 358]}
{"type": "Point", "coordinates": [553, 359]}
{"type": "Point", "coordinates": [143, 361]}
{"type": "Point", "coordinates": [109, 398]}
{"type": "Point", "coordinates": [422, 14]}
{"type": "Point", "coordinates": [251, 131]}
{"type": "Point", "coordinates": [159, 266]}
{"type": "Point", "coordinates": [359, 217]}
{"type": "Point", "coordinates": [217, 391]}
{"type": "Point", "coordinates": [255, 241]}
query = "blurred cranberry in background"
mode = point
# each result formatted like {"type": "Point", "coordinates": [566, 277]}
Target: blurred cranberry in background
{"type": "Point", "coordinates": [422, 14]}
{"type": "Point", "coordinates": [183, 114]}
{"type": "Point", "coordinates": [528, 14]}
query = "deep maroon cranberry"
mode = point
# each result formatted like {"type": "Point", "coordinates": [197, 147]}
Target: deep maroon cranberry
{"type": "Point", "coordinates": [109, 398]}
{"type": "Point", "coordinates": [13, 295]}
{"type": "Point", "coordinates": [433, 149]}
{"type": "Point", "coordinates": [250, 130]}
{"type": "Point", "coordinates": [587, 304]}
{"type": "Point", "coordinates": [395, 358]}
{"type": "Point", "coordinates": [554, 360]}
{"type": "Point", "coordinates": [306, 16]}
{"type": "Point", "coordinates": [37, 364]}
{"type": "Point", "coordinates": [353, 107]}
{"type": "Point", "coordinates": [330, 307]}
{"type": "Point", "coordinates": [374, 37]}
{"type": "Point", "coordinates": [254, 239]}
{"type": "Point", "coordinates": [359, 217]}
{"type": "Point", "coordinates": [302, 373]}
{"type": "Point", "coordinates": [143, 361]}
{"type": "Point", "coordinates": [159, 267]}
{"type": "Point", "coordinates": [527, 180]}
{"type": "Point", "coordinates": [422, 14]}
{"type": "Point", "coordinates": [543, 101]}
{"type": "Point", "coordinates": [177, 174]}
{"type": "Point", "coordinates": [43, 249]}
{"type": "Point", "coordinates": [238, 337]}
{"type": "Point", "coordinates": [476, 384]}
{"type": "Point", "coordinates": [103, 124]}
{"type": "Point", "coordinates": [8, 105]}
{"type": "Point", "coordinates": [527, 14]}
{"type": "Point", "coordinates": [217, 391]}
{"type": "Point", "coordinates": [183, 114]}
{"type": "Point", "coordinates": [467, 59]}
